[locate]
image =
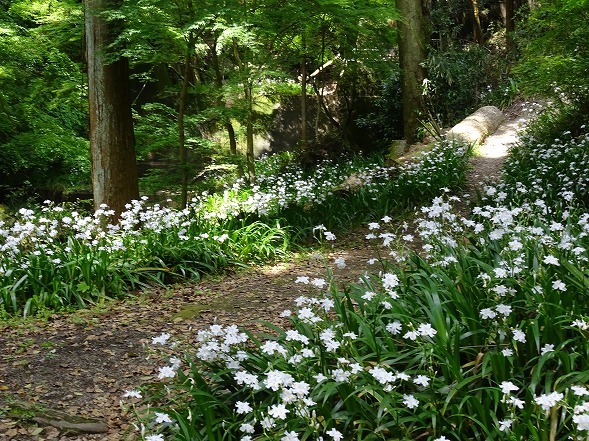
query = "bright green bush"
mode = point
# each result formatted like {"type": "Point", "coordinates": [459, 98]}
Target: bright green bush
{"type": "Point", "coordinates": [555, 56]}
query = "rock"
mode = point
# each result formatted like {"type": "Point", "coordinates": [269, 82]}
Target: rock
{"type": "Point", "coordinates": [477, 126]}
{"type": "Point", "coordinates": [398, 148]}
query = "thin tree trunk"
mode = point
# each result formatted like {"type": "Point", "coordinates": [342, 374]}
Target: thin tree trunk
{"type": "Point", "coordinates": [304, 137]}
{"type": "Point", "coordinates": [220, 101]}
{"type": "Point", "coordinates": [477, 28]}
{"type": "Point", "coordinates": [509, 16]}
{"type": "Point", "coordinates": [249, 121]}
{"type": "Point", "coordinates": [112, 141]}
{"type": "Point", "coordinates": [411, 55]}
{"type": "Point", "coordinates": [182, 149]}
{"type": "Point", "coordinates": [249, 134]}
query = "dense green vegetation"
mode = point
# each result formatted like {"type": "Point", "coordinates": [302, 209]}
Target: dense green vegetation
{"type": "Point", "coordinates": [221, 53]}
{"type": "Point", "coordinates": [480, 334]}
{"type": "Point", "coordinates": [55, 257]}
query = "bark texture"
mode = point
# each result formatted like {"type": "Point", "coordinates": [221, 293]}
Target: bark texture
{"type": "Point", "coordinates": [477, 126]}
{"type": "Point", "coordinates": [112, 141]}
{"type": "Point", "coordinates": [411, 54]}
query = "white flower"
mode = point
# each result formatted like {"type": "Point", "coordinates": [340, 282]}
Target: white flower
{"type": "Point", "coordinates": [581, 324]}
{"type": "Point", "coordinates": [508, 352]}
{"type": "Point", "coordinates": [368, 295]}
{"type": "Point", "coordinates": [394, 328]}
{"type": "Point", "coordinates": [548, 401]}
{"type": "Point", "coordinates": [329, 236]}
{"type": "Point", "coordinates": [302, 279]}
{"type": "Point", "coordinates": [247, 428]}
{"type": "Point", "coordinates": [166, 372]}
{"type": "Point", "coordinates": [319, 378]}
{"type": "Point", "coordinates": [442, 438]}
{"type": "Point", "coordinates": [519, 335]}
{"type": "Point", "coordinates": [271, 347]}
{"type": "Point", "coordinates": [318, 283]}
{"type": "Point", "coordinates": [278, 411]}
{"type": "Point", "coordinates": [162, 418]}
{"type": "Point", "coordinates": [505, 425]}
{"type": "Point", "coordinates": [580, 390]}
{"type": "Point", "coordinates": [503, 309]}
{"type": "Point", "coordinates": [300, 388]}
{"type": "Point", "coordinates": [582, 421]}
{"type": "Point", "coordinates": [559, 285]}
{"type": "Point", "coordinates": [547, 348]}
{"type": "Point", "coordinates": [132, 394]}
{"type": "Point", "coordinates": [500, 273]}
{"type": "Point", "coordinates": [335, 434]}
{"type": "Point", "coordinates": [516, 402]}
{"type": "Point", "coordinates": [242, 407]}
{"type": "Point", "coordinates": [154, 438]}
{"type": "Point", "coordinates": [277, 379]}
{"type": "Point", "coordinates": [390, 281]}
{"type": "Point", "coordinates": [425, 329]}
{"type": "Point", "coordinates": [422, 380]}
{"type": "Point", "coordinates": [411, 335]}
{"type": "Point", "coordinates": [340, 262]}
{"type": "Point", "coordinates": [290, 436]}
{"type": "Point", "coordinates": [487, 313]}
{"type": "Point", "coordinates": [410, 401]}
{"type": "Point", "coordinates": [507, 387]}
{"type": "Point", "coordinates": [551, 260]}
{"type": "Point", "coordinates": [160, 339]}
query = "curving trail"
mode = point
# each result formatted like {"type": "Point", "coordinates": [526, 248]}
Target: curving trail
{"type": "Point", "coordinates": [490, 156]}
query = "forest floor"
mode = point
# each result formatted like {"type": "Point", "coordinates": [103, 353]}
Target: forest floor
{"type": "Point", "coordinates": [81, 363]}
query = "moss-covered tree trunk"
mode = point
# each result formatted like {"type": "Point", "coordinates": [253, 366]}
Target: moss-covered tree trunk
{"type": "Point", "coordinates": [112, 141]}
{"type": "Point", "coordinates": [411, 55]}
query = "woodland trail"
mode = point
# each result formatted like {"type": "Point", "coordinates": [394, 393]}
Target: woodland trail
{"type": "Point", "coordinates": [81, 363]}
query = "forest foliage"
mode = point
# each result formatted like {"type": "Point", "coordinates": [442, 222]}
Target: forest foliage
{"type": "Point", "coordinates": [347, 49]}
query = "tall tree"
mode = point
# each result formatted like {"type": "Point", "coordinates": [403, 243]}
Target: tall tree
{"type": "Point", "coordinates": [112, 141]}
{"type": "Point", "coordinates": [412, 54]}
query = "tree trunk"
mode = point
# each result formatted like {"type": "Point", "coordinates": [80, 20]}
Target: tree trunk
{"type": "Point", "coordinates": [249, 121]}
{"type": "Point", "coordinates": [249, 134]}
{"type": "Point", "coordinates": [221, 101]}
{"type": "Point", "coordinates": [182, 150]}
{"type": "Point", "coordinates": [112, 141]}
{"type": "Point", "coordinates": [304, 137]}
{"type": "Point", "coordinates": [476, 23]}
{"type": "Point", "coordinates": [509, 18]}
{"type": "Point", "coordinates": [411, 55]}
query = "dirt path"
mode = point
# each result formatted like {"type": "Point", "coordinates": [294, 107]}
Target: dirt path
{"type": "Point", "coordinates": [82, 363]}
{"type": "Point", "coordinates": [486, 165]}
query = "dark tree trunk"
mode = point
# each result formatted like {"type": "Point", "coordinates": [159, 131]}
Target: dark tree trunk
{"type": "Point", "coordinates": [249, 135]}
{"type": "Point", "coordinates": [476, 23]}
{"type": "Point", "coordinates": [112, 141]}
{"type": "Point", "coordinates": [304, 136]}
{"type": "Point", "coordinates": [411, 55]}
{"type": "Point", "coordinates": [509, 16]}
{"type": "Point", "coordinates": [183, 150]}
